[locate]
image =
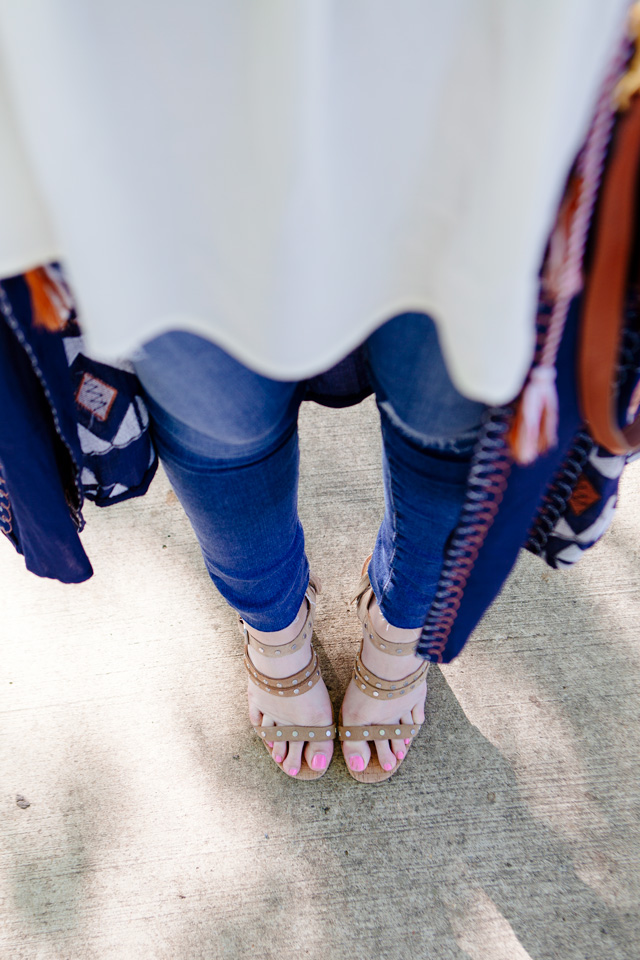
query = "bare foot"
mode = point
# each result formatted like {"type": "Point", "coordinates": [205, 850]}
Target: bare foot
{"type": "Point", "coordinates": [359, 709]}
{"type": "Point", "coordinates": [312, 709]}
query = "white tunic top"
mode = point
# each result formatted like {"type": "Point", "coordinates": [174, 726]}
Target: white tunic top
{"type": "Point", "coordinates": [282, 176]}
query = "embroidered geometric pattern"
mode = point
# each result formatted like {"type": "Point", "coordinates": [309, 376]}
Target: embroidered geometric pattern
{"type": "Point", "coordinates": [583, 496]}
{"type": "Point", "coordinates": [95, 396]}
{"type": "Point", "coordinates": [579, 504]}
{"type": "Point", "coordinates": [112, 422]}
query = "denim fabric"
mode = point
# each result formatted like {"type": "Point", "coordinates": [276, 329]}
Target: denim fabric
{"type": "Point", "coordinates": [413, 387]}
{"type": "Point", "coordinates": [227, 437]}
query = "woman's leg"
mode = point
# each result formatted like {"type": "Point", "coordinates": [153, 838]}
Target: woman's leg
{"type": "Point", "coordinates": [228, 441]}
{"type": "Point", "coordinates": [428, 431]}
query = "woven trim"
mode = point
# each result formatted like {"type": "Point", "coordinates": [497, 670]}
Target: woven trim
{"type": "Point", "coordinates": [558, 494]}
{"type": "Point", "coordinates": [488, 476]}
{"type": "Point", "coordinates": [6, 517]}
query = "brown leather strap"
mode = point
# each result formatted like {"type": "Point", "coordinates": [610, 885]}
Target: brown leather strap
{"type": "Point", "coordinates": [604, 300]}
{"type": "Point", "coordinates": [363, 599]}
{"type": "Point", "coordinates": [404, 649]}
{"type": "Point", "coordinates": [293, 733]}
{"type": "Point", "coordinates": [374, 686]}
{"type": "Point", "coordinates": [372, 731]}
{"type": "Point", "coordinates": [284, 649]}
{"type": "Point", "coordinates": [292, 686]}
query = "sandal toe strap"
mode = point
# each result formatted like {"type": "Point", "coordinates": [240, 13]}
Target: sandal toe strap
{"type": "Point", "coordinates": [370, 731]}
{"type": "Point", "coordinates": [297, 733]}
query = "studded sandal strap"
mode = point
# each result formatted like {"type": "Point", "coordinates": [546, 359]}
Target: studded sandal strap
{"type": "Point", "coordinates": [395, 649]}
{"type": "Point", "coordinates": [283, 649]}
{"type": "Point", "coordinates": [291, 681]}
{"type": "Point", "coordinates": [375, 686]}
{"type": "Point", "coordinates": [363, 599]}
{"type": "Point", "coordinates": [385, 732]}
{"type": "Point", "coordinates": [297, 733]}
{"type": "Point", "coordinates": [292, 686]}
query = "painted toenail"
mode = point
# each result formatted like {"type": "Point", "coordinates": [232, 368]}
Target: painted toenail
{"type": "Point", "coordinates": [357, 764]}
{"type": "Point", "coordinates": [407, 742]}
{"type": "Point", "coordinates": [270, 745]}
{"type": "Point", "coordinates": [387, 766]}
{"type": "Point", "coordinates": [278, 759]}
{"type": "Point", "coordinates": [293, 772]}
{"type": "Point", "coordinates": [401, 755]}
{"type": "Point", "coordinates": [318, 762]}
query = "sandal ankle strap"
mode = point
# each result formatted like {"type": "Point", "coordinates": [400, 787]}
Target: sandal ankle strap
{"type": "Point", "coordinates": [377, 687]}
{"type": "Point", "coordinates": [292, 686]}
{"type": "Point", "coordinates": [363, 599]}
{"type": "Point", "coordinates": [283, 649]}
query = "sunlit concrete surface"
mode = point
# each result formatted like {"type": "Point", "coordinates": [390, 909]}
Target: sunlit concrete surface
{"type": "Point", "coordinates": [154, 825]}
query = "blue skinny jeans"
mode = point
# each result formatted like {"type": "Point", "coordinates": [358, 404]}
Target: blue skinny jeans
{"type": "Point", "coordinates": [228, 440]}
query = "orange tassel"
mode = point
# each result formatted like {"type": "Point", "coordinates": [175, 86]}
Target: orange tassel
{"type": "Point", "coordinates": [50, 302]}
{"type": "Point", "coordinates": [535, 424]}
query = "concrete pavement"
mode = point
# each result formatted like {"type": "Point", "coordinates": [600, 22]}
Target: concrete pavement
{"type": "Point", "coordinates": [152, 823]}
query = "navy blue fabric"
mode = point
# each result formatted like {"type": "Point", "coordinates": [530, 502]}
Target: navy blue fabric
{"type": "Point", "coordinates": [41, 459]}
{"type": "Point", "coordinates": [582, 498]}
{"type": "Point", "coordinates": [522, 497]}
{"type": "Point", "coordinates": [118, 472]}
{"type": "Point", "coordinates": [46, 470]}
{"type": "Point", "coordinates": [344, 385]}
{"type": "Point", "coordinates": [48, 356]}
{"type": "Point", "coordinates": [33, 460]}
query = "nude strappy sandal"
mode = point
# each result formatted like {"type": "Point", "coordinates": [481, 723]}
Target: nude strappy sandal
{"type": "Point", "coordinates": [377, 688]}
{"type": "Point", "coordinates": [295, 685]}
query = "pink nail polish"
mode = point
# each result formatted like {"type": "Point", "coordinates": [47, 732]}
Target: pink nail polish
{"type": "Point", "coordinates": [387, 766]}
{"type": "Point", "coordinates": [293, 772]}
{"type": "Point", "coordinates": [407, 742]}
{"type": "Point", "coordinates": [356, 764]}
{"type": "Point", "coordinates": [318, 762]}
{"type": "Point", "coordinates": [278, 759]}
{"type": "Point", "coordinates": [270, 745]}
{"type": "Point", "coordinates": [400, 754]}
